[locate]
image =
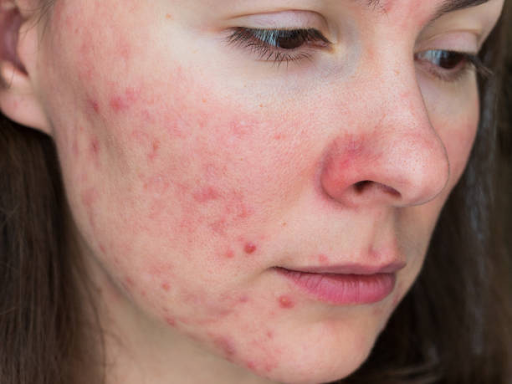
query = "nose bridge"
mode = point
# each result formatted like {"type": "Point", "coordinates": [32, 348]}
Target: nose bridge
{"type": "Point", "coordinates": [391, 154]}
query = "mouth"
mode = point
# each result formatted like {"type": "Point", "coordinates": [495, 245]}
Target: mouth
{"type": "Point", "coordinates": [346, 284]}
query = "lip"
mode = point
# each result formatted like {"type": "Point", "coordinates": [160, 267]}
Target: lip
{"type": "Point", "coordinates": [353, 269]}
{"type": "Point", "coordinates": [345, 285]}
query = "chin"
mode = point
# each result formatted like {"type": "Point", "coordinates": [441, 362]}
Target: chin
{"type": "Point", "coordinates": [325, 353]}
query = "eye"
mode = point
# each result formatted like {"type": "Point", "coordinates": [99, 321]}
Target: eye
{"type": "Point", "coordinates": [450, 66]}
{"type": "Point", "coordinates": [279, 45]}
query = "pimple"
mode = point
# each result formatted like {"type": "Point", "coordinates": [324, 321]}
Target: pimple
{"type": "Point", "coordinates": [229, 254]}
{"type": "Point", "coordinates": [94, 146]}
{"type": "Point", "coordinates": [270, 335]}
{"type": "Point", "coordinates": [118, 104]}
{"type": "Point", "coordinates": [93, 105]}
{"type": "Point", "coordinates": [166, 286]}
{"type": "Point", "coordinates": [170, 321]}
{"type": "Point", "coordinates": [155, 146]}
{"type": "Point", "coordinates": [286, 302]}
{"type": "Point", "coordinates": [250, 248]}
{"type": "Point", "coordinates": [323, 259]}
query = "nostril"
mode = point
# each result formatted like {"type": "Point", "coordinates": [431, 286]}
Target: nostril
{"type": "Point", "coordinates": [361, 185]}
{"type": "Point", "coordinates": [364, 185]}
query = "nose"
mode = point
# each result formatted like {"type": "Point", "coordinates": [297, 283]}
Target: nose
{"type": "Point", "coordinates": [393, 156]}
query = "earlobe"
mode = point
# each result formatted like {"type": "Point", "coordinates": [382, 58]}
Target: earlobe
{"type": "Point", "coordinates": [18, 98]}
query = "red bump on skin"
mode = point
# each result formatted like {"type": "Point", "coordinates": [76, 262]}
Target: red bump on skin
{"type": "Point", "coordinates": [155, 146]}
{"type": "Point", "coordinates": [250, 248]}
{"type": "Point", "coordinates": [129, 282]}
{"type": "Point", "coordinates": [118, 104]}
{"type": "Point", "coordinates": [270, 335]}
{"type": "Point", "coordinates": [171, 321]}
{"type": "Point", "coordinates": [322, 259]}
{"type": "Point", "coordinates": [285, 302]}
{"type": "Point", "coordinates": [94, 146]}
{"type": "Point", "coordinates": [229, 254]}
{"type": "Point", "coordinates": [166, 287]}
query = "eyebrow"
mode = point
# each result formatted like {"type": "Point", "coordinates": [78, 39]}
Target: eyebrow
{"type": "Point", "coordinates": [446, 7]}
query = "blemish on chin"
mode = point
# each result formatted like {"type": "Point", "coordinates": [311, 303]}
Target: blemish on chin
{"type": "Point", "coordinates": [250, 248]}
{"type": "Point", "coordinates": [286, 302]}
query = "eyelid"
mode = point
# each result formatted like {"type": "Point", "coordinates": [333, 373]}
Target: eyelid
{"type": "Point", "coordinates": [290, 19]}
{"type": "Point", "coordinates": [457, 41]}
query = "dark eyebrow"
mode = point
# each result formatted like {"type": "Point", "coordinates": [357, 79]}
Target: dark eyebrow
{"type": "Point", "coordinates": [446, 7]}
{"type": "Point", "coordinates": [456, 5]}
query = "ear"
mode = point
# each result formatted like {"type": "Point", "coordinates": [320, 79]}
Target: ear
{"type": "Point", "coordinates": [18, 58]}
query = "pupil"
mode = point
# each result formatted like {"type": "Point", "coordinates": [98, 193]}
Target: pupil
{"type": "Point", "coordinates": [449, 60]}
{"type": "Point", "coordinates": [290, 40]}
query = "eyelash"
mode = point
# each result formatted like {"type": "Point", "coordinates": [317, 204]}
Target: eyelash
{"type": "Point", "coordinates": [268, 43]}
{"type": "Point", "coordinates": [277, 45]}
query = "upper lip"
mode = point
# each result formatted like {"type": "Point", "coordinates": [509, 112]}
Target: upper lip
{"type": "Point", "coordinates": [351, 268]}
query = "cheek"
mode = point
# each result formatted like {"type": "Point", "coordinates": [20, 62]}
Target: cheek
{"type": "Point", "coordinates": [172, 183]}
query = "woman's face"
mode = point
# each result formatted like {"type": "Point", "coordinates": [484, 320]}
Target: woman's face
{"type": "Point", "coordinates": [267, 197]}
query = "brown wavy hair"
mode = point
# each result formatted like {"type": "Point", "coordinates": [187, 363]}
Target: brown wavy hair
{"type": "Point", "coordinates": [454, 326]}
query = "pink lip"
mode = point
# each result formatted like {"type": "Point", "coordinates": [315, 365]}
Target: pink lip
{"type": "Point", "coordinates": [362, 287]}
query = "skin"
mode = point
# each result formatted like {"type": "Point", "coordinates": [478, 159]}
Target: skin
{"type": "Point", "coordinates": [193, 169]}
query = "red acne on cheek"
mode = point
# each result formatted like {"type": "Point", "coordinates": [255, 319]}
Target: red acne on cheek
{"type": "Point", "coordinates": [166, 287]}
{"type": "Point", "coordinates": [285, 302]}
{"type": "Point", "coordinates": [229, 254]}
{"type": "Point", "coordinates": [250, 248]}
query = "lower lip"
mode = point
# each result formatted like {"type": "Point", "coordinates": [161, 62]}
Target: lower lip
{"type": "Point", "coordinates": [343, 289]}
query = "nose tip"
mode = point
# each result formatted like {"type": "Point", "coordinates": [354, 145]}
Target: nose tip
{"type": "Point", "coordinates": [393, 168]}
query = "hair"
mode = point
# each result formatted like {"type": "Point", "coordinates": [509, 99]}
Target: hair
{"type": "Point", "coordinates": [454, 326]}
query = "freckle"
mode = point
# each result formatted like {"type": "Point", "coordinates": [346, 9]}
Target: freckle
{"type": "Point", "coordinates": [250, 248]}
{"type": "Point", "coordinates": [286, 302]}
{"type": "Point", "coordinates": [166, 287]}
{"type": "Point", "coordinates": [168, 16]}
{"type": "Point", "coordinates": [261, 105]}
{"type": "Point", "coordinates": [284, 224]}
